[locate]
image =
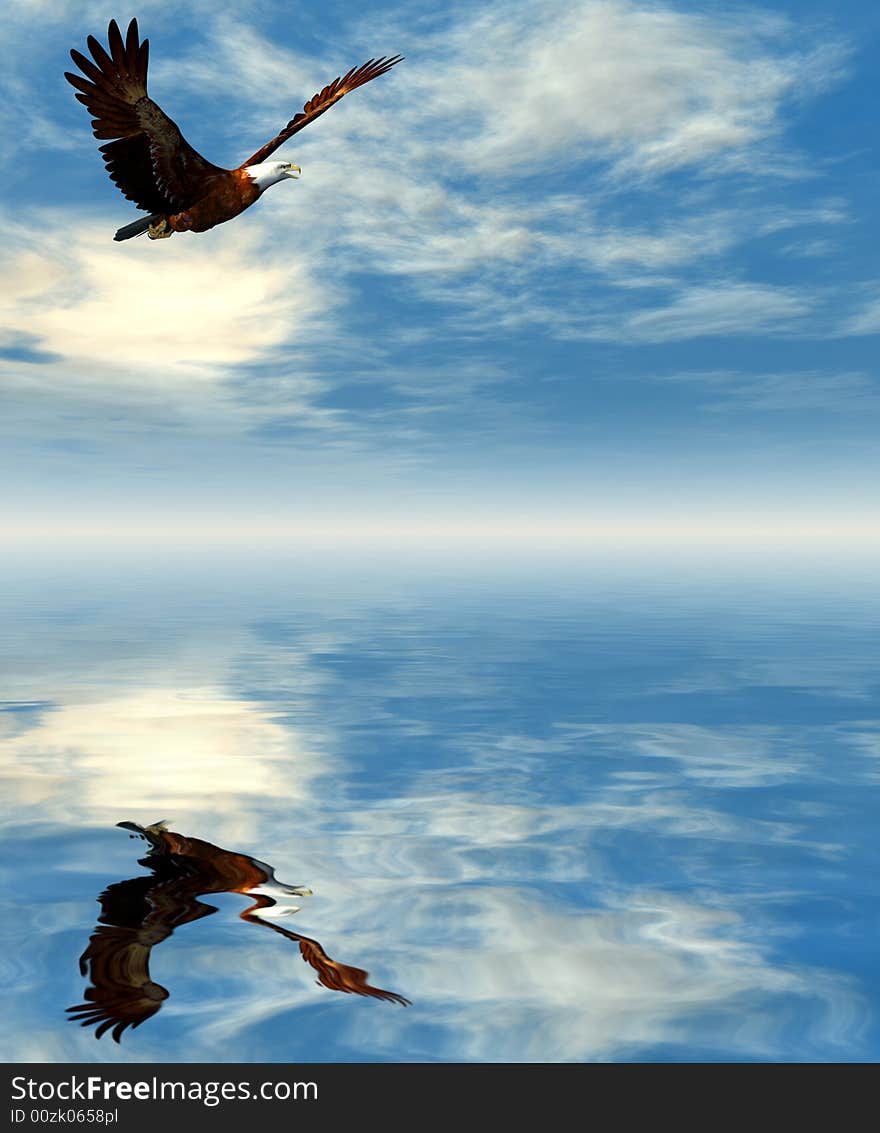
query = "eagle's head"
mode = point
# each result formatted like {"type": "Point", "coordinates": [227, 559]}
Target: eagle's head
{"type": "Point", "coordinates": [269, 172]}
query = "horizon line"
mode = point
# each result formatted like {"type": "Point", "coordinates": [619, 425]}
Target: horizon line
{"type": "Point", "coordinates": [599, 532]}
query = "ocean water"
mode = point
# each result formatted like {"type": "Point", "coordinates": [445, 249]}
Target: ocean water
{"type": "Point", "coordinates": [602, 810]}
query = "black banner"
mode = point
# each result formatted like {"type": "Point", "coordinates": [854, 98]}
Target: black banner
{"type": "Point", "coordinates": [222, 1096]}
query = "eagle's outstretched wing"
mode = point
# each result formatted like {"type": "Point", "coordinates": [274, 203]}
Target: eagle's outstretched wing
{"type": "Point", "coordinates": [331, 973]}
{"type": "Point", "coordinates": [150, 160]}
{"type": "Point", "coordinates": [323, 100]}
{"type": "Point", "coordinates": [122, 993]}
{"type": "Point", "coordinates": [136, 915]}
{"type": "Point", "coordinates": [342, 977]}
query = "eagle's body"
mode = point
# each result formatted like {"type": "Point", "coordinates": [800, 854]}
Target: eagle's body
{"type": "Point", "coordinates": [152, 163]}
{"type": "Point", "coordinates": [231, 196]}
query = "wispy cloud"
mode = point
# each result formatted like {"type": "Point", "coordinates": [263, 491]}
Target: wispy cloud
{"type": "Point", "coordinates": [722, 309]}
{"type": "Point", "coordinates": [661, 88]}
{"type": "Point", "coordinates": [725, 757]}
{"type": "Point", "coordinates": [864, 321]}
{"type": "Point", "coordinates": [798, 392]}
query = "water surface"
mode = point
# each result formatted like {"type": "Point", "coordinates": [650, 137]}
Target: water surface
{"type": "Point", "coordinates": [605, 811]}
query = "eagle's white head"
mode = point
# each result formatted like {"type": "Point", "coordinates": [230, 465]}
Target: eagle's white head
{"type": "Point", "coordinates": [268, 172]}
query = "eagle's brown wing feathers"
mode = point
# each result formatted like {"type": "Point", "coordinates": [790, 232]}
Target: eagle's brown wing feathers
{"type": "Point", "coordinates": [331, 973]}
{"type": "Point", "coordinates": [122, 993]}
{"type": "Point", "coordinates": [343, 977]}
{"type": "Point", "coordinates": [323, 100]}
{"type": "Point", "coordinates": [149, 159]}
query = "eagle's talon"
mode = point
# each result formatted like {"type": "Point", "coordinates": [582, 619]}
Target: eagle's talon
{"type": "Point", "coordinates": [160, 231]}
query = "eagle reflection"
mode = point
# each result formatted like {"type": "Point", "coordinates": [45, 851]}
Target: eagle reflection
{"type": "Point", "coordinates": [141, 912]}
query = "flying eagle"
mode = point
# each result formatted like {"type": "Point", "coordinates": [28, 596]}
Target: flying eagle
{"type": "Point", "coordinates": [151, 161]}
{"type": "Point", "coordinates": [141, 912]}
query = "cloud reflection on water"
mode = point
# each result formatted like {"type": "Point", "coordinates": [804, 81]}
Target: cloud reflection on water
{"type": "Point", "coordinates": [555, 887]}
{"type": "Point", "coordinates": [161, 750]}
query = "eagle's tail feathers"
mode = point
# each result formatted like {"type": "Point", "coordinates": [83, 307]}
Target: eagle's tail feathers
{"type": "Point", "coordinates": [137, 227]}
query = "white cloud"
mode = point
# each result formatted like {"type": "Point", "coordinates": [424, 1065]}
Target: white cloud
{"type": "Point", "coordinates": [722, 757]}
{"type": "Point", "coordinates": [156, 753]}
{"type": "Point", "coordinates": [535, 983]}
{"type": "Point", "coordinates": [806, 391]}
{"type": "Point", "coordinates": [864, 736]}
{"type": "Point", "coordinates": [146, 312]}
{"type": "Point", "coordinates": [649, 87]}
{"type": "Point", "coordinates": [721, 309]}
{"type": "Point", "coordinates": [866, 321]}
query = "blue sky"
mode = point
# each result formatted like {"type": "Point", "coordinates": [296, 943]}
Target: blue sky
{"type": "Point", "coordinates": [590, 262]}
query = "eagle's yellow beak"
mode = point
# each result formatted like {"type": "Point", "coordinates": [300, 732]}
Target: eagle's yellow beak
{"type": "Point", "coordinates": [293, 172]}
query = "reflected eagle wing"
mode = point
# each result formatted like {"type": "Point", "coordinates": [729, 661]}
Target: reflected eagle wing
{"type": "Point", "coordinates": [343, 977]}
{"type": "Point", "coordinates": [323, 100]}
{"type": "Point", "coordinates": [332, 974]}
{"type": "Point", "coordinates": [122, 993]}
{"type": "Point", "coordinates": [150, 160]}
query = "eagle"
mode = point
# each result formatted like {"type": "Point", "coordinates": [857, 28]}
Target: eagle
{"type": "Point", "coordinates": [153, 164]}
{"type": "Point", "coordinates": [141, 912]}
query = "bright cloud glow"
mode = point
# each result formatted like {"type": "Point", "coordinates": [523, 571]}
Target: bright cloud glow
{"type": "Point", "coordinates": [125, 317]}
{"type": "Point", "coordinates": [163, 751]}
